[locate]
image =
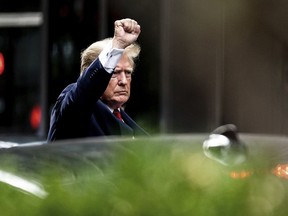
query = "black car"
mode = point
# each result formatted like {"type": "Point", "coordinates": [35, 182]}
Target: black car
{"type": "Point", "coordinates": [222, 173]}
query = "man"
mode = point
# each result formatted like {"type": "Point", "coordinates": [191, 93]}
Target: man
{"type": "Point", "coordinates": [86, 108]}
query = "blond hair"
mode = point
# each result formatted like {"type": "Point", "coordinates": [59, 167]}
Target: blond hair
{"type": "Point", "coordinates": [92, 52]}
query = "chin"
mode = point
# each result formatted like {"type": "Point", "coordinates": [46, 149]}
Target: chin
{"type": "Point", "coordinates": [122, 100]}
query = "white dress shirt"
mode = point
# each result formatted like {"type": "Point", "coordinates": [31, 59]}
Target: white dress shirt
{"type": "Point", "coordinates": [109, 57]}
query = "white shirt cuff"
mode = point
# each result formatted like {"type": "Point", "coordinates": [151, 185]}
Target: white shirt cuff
{"type": "Point", "coordinates": [109, 57]}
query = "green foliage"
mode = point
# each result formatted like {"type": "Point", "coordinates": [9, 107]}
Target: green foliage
{"type": "Point", "coordinates": [152, 179]}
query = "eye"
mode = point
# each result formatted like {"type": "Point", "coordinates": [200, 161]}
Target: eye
{"type": "Point", "coordinates": [128, 73]}
{"type": "Point", "coordinates": [115, 74]}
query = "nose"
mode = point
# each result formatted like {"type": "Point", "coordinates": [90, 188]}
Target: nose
{"type": "Point", "coordinates": [122, 79]}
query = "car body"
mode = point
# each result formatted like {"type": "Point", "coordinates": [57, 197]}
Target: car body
{"type": "Point", "coordinates": [170, 173]}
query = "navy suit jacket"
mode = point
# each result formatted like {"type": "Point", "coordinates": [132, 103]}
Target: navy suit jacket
{"type": "Point", "coordinates": [79, 112]}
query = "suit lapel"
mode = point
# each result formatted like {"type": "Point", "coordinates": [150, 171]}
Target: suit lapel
{"type": "Point", "coordinates": [137, 130]}
{"type": "Point", "coordinates": [109, 123]}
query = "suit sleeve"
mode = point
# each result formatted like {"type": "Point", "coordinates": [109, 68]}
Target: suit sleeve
{"type": "Point", "coordinates": [73, 108]}
{"type": "Point", "coordinates": [88, 89]}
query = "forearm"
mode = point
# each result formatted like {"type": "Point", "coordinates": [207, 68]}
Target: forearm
{"type": "Point", "coordinates": [94, 80]}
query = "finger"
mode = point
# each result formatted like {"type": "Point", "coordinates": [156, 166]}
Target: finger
{"type": "Point", "coordinates": [137, 29]}
{"type": "Point", "coordinates": [131, 26]}
{"type": "Point", "coordinates": [118, 23]}
{"type": "Point", "coordinates": [126, 24]}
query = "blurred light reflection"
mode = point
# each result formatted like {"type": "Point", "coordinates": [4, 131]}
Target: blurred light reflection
{"type": "Point", "coordinates": [240, 174]}
{"type": "Point", "coordinates": [25, 185]}
{"type": "Point", "coordinates": [281, 170]}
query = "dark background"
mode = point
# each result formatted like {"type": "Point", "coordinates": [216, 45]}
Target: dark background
{"type": "Point", "coordinates": [202, 64]}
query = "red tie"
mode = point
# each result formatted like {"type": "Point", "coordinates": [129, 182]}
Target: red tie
{"type": "Point", "coordinates": [117, 113]}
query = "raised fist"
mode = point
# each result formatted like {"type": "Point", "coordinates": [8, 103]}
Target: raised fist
{"type": "Point", "coordinates": [126, 31]}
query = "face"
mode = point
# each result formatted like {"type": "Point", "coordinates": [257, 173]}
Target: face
{"type": "Point", "coordinates": [118, 90]}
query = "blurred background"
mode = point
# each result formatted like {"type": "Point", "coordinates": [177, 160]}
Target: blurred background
{"type": "Point", "coordinates": [203, 63]}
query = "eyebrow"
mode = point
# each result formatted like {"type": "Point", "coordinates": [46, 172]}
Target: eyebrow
{"type": "Point", "coordinates": [127, 69]}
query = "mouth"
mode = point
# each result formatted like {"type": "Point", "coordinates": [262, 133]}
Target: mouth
{"type": "Point", "coordinates": [121, 92]}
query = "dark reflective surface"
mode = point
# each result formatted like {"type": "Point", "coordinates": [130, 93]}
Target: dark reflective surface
{"type": "Point", "coordinates": [71, 157]}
